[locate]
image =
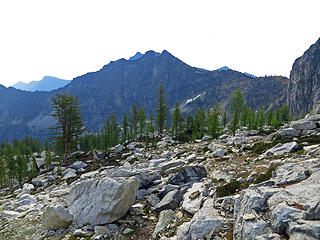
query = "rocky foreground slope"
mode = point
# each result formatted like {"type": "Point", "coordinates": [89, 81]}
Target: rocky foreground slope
{"type": "Point", "coordinates": [250, 186]}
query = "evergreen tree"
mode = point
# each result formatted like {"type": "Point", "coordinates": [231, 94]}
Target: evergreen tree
{"type": "Point", "coordinates": [111, 131]}
{"type": "Point", "coordinates": [2, 172]}
{"type": "Point", "coordinates": [285, 115]}
{"type": "Point", "coordinates": [134, 120]}
{"type": "Point", "coordinates": [269, 117]}
{"type": "Point", "coordinates": [68, 127]}
{"type": "Point", "coordinates": [236, 108]}
{"type": "Point", "coordinates": [261, 118]}
{"type": "Point", "coordinates": [177, 121]}
{"type": "Point", "coordinates": [162, 109]}
{"type": "Point", "coordinates": [125, 127]}
{"type": "Point", "coordinates": [213, 121]}
{"type": "Point", "coordinates": [199, 122]}
{"type": "Point", "coordinates": [142, 120]}
{"type": "Point", "coordinates": [224, 119]}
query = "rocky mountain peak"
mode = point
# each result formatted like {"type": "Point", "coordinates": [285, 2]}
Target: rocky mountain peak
{"type": "Point", "coordinates": [304, 85]}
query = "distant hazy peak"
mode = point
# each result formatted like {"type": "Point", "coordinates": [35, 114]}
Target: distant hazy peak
{"type": "Point", "coordinates": [47, 83]}
{"type": "Point", "coordinates": [224, 68]}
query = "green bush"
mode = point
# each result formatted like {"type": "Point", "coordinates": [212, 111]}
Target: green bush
{"type": "Point", "coordinates": [266, 176]}
{"type": "Point", "coordinates": [228, 189]}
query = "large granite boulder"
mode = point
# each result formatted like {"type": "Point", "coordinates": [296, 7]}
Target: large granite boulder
{"type": "Point", "coordinates": [102, 201]}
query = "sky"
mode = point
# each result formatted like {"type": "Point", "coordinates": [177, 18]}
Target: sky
{"type": "Point", "coordinates": [68, 38]}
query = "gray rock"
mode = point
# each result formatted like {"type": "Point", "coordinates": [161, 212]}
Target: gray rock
{"type": "Point", "coordinates": [303, 124]}
{"type": "Point", "coordinates": [193, 198]}
{"type": "Point", "coordinates": [188, 174]}
{"type": "Point", "coordinates": [27, 187]}
{"type": "Point", "coordinates": [141, 194]}
{"type": "Point", "coordinates": [280, 149]}
{"type": "Point", "coordinates": [26, 199]}
{"type": "Point", "coordinates": [132, 145]}
{"type": "Point", "coordinates": [69, 173]}
{"type": "Point", "coordinates": [98, 155]}
{"type": "Point", "coordinates": [289, 133]}
{"type": "Point", "coordinates": [166, 217]}
{"type": "Point", "coordinates": [102, 201]}
{"type": "Point", "coordinates": [39, 182]}
{"type": "Point", "coordinates": [118, 148]}
{"type": "Point", "coordinates": [218, 153]}
{"type": "Point", "coordinates": [78, 165]}
{"type": "Point", "coordinates": [153, 200]}
{"type": "Point", "coordinates": [170, 201]}
{"type": "Point", "coordinates": [206, 220]}
{"type": "Point", "coordinates": [56, 217]}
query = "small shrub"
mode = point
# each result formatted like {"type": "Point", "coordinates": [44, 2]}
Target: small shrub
{"type": "Point", "coordinates": [228, 189]}
{"type": "Point", "coordinates": [266, 176]}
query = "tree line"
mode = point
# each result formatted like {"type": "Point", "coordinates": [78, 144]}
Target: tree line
{"type": "Point", "coordinates": [17, 163]}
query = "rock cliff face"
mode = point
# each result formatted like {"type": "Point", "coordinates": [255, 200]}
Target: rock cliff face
{"type": "Point", "coordinates": [304, 86]}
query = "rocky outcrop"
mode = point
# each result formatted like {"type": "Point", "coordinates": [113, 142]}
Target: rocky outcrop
{"type": "Point", "coordinates": [102, 201]}
{"type": "Point", "coordinates": [304, 85]}
{"type": "Point", "coordinates": [288, 205]}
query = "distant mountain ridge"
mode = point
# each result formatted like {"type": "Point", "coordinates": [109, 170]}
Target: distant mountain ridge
{"type": "Point", "coordinates": [119, 84]}
{"type": "Point", "coordinates": [47, 84]}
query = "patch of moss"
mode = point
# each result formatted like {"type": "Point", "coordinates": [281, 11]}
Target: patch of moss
{"type": "Point", "coordinates": [266, 176]}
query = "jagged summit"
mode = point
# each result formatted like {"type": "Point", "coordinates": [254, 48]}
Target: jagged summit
{"type": "Point", "coordinates": [137, 56]}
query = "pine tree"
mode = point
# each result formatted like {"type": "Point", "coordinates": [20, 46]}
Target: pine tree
{"type": "Point", "coordinates": [213, 121]}
{"type": "Point", "coordinates": [142, 120]}
{"type": "Point", "coordinates": [125, 127]}
{"type": "Point", "coordinates": [3, 172]}
{"type": "Point", "coordinates": [285, 115]}
{"type": "Point", "coordinates": [224, 119]}
{"type": "Point", "coordinates": [68, 127]}
{"type": "Point", "coordinates": [236, 108]}
{"type": "Point", "coordinates": [177, 121]}
{"type": "Point", "coordinates": [111, 131]}
{"type": "Point", "coordinates": [162, 109]}
{"type": "Point", "coordinates": [261, 118]}
{"type": "Point", "coordinates": [134, 120]}
{"type": "Point", "coordinates": [269, 117]}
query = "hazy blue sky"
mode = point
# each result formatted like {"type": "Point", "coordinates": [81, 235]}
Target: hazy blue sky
{"type": "Point", "coordinates": [67, 38]}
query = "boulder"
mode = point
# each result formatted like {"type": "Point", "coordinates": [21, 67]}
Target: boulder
{"type": "Point", "coordinates": [103, 200]}
{"type": "Point", "coordinates": [218, 153]}
{"type": "Point", "coordinates": [193, 198]}
{"type": "Point", "coordinates": [26, 199]}
{"type": "Point", "coordinates": [166, 217]}
{"type": "Point", "coordinates": [280, 149]}
{"type": "Point", "coordinates": [98, 155]}
{"type": "Point", "coordinates": [188, 174]}
{"type": "Point", "coordinates": [303, 124]}
{"type": "Point", "coordinates": [56, 217]}
{"type": "Point", "coordinates": [205, 221]}
{"type": "Point", "coordinates": [69, 173]}
{"type": "Point", "coordinates": [289, 133]}
{"type": "Point", "coordinates": [78, 165]}
{"type": "Point", "coordinates": [170, 201]}
{"type": "Point", "coordinates": [27, 187]}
